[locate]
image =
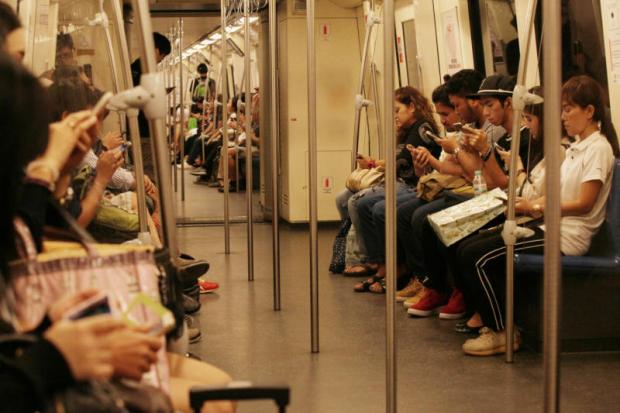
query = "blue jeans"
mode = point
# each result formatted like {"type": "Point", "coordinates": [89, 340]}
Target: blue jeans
{"type": "Point", "coordinates": [342, 201]}
{"type": "Point", "coordinates": [371, 211]}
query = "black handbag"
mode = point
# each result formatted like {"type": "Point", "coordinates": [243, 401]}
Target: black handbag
{"type": "Point", "coordinates": [337, 263]}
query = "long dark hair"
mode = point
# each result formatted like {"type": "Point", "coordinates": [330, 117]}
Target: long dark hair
{"type": "Point", "coordinates": [423, 110]}
{"type": "Point", "coordinates": [536, 146]}
{"type": "Point", "coordinates": [23, 136]}
{"type": "Point", "coordinates": [583, 91]}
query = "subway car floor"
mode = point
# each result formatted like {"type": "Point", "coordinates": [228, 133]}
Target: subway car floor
{"type": "Point", "coordinates": [243, 335]}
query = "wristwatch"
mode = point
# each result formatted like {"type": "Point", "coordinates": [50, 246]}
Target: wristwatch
{"type": "Point", "coordinates": [537, 208]}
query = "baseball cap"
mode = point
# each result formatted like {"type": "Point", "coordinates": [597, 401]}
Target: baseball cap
{"type": "Point", "coordinates": [495, 85]}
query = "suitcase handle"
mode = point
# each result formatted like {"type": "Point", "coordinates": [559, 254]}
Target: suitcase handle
{"type": "Point", "coordinates": [239, 391]}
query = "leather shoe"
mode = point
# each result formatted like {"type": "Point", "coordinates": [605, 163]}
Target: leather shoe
{"type": "Point", "coordinates": [190, 270]}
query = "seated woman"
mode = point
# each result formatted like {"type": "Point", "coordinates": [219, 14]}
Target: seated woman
{"type": "Point", "coordinates": [585, 182]}
{"type": "Point", "coordinates": [64, 352]}
{"type": "Point", "coordinates": [414, 117]}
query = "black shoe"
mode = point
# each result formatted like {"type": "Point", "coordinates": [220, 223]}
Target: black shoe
{"type": "Point", "coordinates": [190, 270]}
{"type": "Point", "coordinates": [192, 290]}
{"type": "Point", "coordinates": [462, 327]}
{"type": "Point", "coordinates": [231, 188]}
{"type": "Point", "coordinates": [190, 306]}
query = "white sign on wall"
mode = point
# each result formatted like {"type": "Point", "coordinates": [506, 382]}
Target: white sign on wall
{"type": "Point", "coordinates": [452, 40]}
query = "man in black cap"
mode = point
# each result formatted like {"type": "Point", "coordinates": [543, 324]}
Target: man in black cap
{"type": "Point", "coordinates": [495, 97]}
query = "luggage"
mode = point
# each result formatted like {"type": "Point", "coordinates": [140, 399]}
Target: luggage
{"type": "Point", "coordinates": [239, 391]}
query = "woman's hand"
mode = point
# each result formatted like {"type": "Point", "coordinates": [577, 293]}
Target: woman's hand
{"type": "Point", "coordinates": [364, 161]}
{"type": "Point", "coordinates": [71, 137]}
{"type": "Point", "coordinates": [420, 155]}
{"type": "Point", "coordinates": [107, 164]}
{"type": "Point", "coordinates": [81, 343]}
{"type": "Point", "coordinates": [133, 352]}
{"type": "Point", "coordinates": [112, 140]}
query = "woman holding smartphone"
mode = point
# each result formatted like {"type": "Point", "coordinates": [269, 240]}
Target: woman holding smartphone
{"type": "Point", "coordinates": [585, 182]}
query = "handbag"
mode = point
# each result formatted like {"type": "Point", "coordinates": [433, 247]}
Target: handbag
{"type": "Point", "coordinates": [128, 274]}
{"type": "Point", "coordinates": [430, 186]}
{"type": "Point", "coordinates": [365, 178]}
{"type": "Point", "coordinates": [337, 263]}
{"type": "Point", "coordinates": [455, 223]}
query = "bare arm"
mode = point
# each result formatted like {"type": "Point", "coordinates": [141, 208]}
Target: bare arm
{"type": "Point", "coordinates": [588, 194]}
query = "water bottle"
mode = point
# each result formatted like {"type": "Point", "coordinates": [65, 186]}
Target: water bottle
{"type": "Point", "coordinates": [479, 184]}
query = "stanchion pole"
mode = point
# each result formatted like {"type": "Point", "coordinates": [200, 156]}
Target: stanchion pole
{"type": "Point", "coordinates": [275, 156]}
{"type": "Point", "coordinates": [375, 93]}
{"type": "Point", "coordinates": [552, 63]}
{"type": "Point", "coordinates": [155, 113]}
{"type": "Point", "coordinates": [390, 205]}
{"type": "Point", "coordinates": [134, 129]}
{"type": "Point", "coordinates": [177, 90]}
{"type": "Point", "coordinates": [520, 98]}
{"type": "Point", "coordinates": [224, 156]}
{"type": "Point", "coordinates": [182, 116]}
{"type": "Point", "coordinates": [248, 138]}
{"type": "Point", "coordinates": [312, 178]}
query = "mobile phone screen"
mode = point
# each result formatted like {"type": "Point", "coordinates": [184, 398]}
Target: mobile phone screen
{"type": "Point", "coordinates": [95, 306]}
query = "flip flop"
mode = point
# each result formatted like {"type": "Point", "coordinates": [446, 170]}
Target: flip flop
{"type": "Point", "coordinates": [378, 287]}
{"type": "Point", "coordinates": [367, 271]}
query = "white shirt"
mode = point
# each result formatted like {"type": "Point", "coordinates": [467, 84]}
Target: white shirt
{"type": "Point", "coordinates": [122, 180]}
{"type": "Point", "coordinates": [586, 160]}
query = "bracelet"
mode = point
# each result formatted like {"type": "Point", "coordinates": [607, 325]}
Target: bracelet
{"type": "Point", "coordinates": [485, 157]}
{"type": "Point", "coordinates": [43, 164]}
{"type": "Point", "coordinates": [456, 152]}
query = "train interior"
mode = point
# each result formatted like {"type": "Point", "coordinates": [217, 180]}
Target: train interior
{"type": "Point", "coordinates": [223, 211]}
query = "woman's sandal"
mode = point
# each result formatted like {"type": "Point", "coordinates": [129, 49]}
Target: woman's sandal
{"type": "Point", "coordinates": [366, 271]}
{"type": "Point", "coordinates": [364, 286]}
{"type": "Point", "coordinates": [378, 287]}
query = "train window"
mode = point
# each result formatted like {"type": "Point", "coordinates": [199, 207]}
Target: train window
{"type": "Point", "coordinates": [502, 24]}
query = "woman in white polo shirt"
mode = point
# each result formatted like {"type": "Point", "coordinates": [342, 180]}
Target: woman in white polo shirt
{"type": "Point", "coordinates": [586, 175]}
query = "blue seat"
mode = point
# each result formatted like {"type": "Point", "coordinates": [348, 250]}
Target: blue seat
{"type": "Point", "coordinates": [591, 285]}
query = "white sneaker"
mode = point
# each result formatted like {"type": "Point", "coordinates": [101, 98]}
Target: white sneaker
{"type": "Point", "coordinates": [489, 342]}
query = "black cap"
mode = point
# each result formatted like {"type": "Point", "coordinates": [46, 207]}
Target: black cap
{"type": "Point", "coordinates": [202, 68]}
{"type": "Point", "coordinates": [495, 85]}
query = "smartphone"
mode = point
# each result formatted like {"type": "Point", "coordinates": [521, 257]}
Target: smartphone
{"type": "Point", "coordinates": [457, 126]}
{"type": "Point", "coordinates": [499, 148]}
{"type": "Point", "coordinates": [125, 145]}
{"type": "Point", "coordinates": [98, 304]}
{"type": "Point", "coordinates": [467, 129]}
{"type": "Point", "coordinates": [103, 101]}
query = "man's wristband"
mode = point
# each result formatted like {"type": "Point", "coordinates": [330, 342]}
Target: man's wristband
{"type": "Point", "coordinates": [485, 156]}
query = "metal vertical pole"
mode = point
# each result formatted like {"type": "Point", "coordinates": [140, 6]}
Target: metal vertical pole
{"type": "Point", "coordinates": [312, 178]}
{"type": "Point", "coordinates": [552, 76]}
{"type": "Point", "coordinates": [224, 157]}
{"type": "Point", "coordinates": [182, 117]}
{"type": "Point", "coordinates": [275, 156]}
{"type": "Point", "coordinates": [390, 204]}
{"type": "Point", "coordinates": [375, 93]}
{"type": "Point", "coordinates": [156, 125]}
{"type": "Point", "coordinates": [248, 138]}
{"type": "Point", "coordinates": [360, 91]}
{"type": "Point", "coordinates": [173, 154]}
{"type": "Point", "coordinates": [518, 103]}
{"type": "Point", "coordinates": [134, 129]}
